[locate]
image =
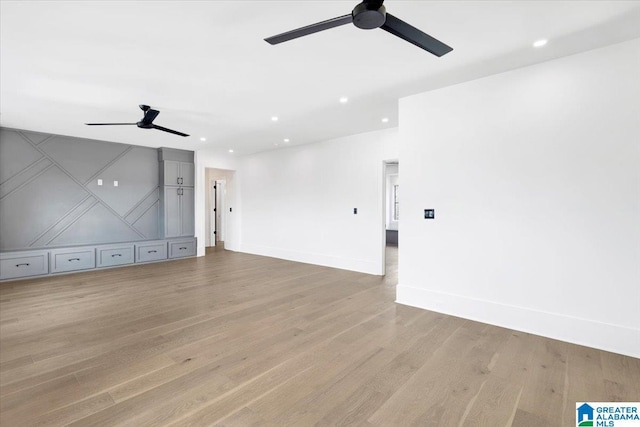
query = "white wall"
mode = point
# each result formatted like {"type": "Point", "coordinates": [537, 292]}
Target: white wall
{"type": "Point", "coordinates": [297, 203]}
{"type": "Point", "coordinates": [534, 176]}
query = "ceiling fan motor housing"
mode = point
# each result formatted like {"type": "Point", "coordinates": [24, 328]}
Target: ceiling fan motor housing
{"type": "Point", "coordinates": [368, 18]}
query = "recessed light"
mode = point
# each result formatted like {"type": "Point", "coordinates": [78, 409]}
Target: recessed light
{"type": "Point", "coordinates": [203, 139]}
{"type": "Point", "coordinates": [274, 118]}
{"type": "Point", "coordinates": [540, 43]}
{"type": "Point", "coordinates": [231, 151]}
{"type": "Point", "coordinates": [286, 140]}
{"type": "Point", "coordinates": [344, 100]}
{"type": "Point", "coordinates": [385, 120]}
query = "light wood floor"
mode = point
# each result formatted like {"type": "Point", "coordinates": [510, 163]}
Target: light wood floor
{"type": "Point", "coordinates": [238, 340]}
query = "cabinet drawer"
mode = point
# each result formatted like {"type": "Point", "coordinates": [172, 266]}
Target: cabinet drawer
{"type": "Point", "coordinates": [146, 252]}
{"type": "Point", "coordinates": [72, 259]}
{"type": "Point", "coordinates": [182, 248]}
{"type": "Point", "coordinates": [107, 256]}
{"type": "Point", "coordinates": [23, 264]}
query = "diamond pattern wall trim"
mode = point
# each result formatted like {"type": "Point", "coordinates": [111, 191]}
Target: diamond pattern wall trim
{"type": "Point", "coordinates": [49, 194]}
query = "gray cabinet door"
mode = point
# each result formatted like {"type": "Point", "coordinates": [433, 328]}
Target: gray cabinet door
{"type": "Point", "coordinates": [182, 247]}
{"type": "Point", "coordinates": [23, 264]}
{"type": "Point", "coordinates": [178, 173]}
{"type": "Point", "coordinates": [111, 255]}
{"type": "Point", "coordinates": [72, 259]}
{"type": "Point", "coordinates": [172, 212]}
{"type": "Point", "coordinates": [171, 172]}
{"type": "Point", "coordinates": [188, 213]}
{"type": "Point", "coordinates": [151, 251]}
{"type": "Point", "coordinates": [187, 174]}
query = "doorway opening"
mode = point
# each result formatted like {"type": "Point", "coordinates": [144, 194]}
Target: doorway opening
{"type": "Point", "coordinates": [217, 223]}
{"type": "Point", "coordinates": [217, 205]}
{"type": "Point", "coordinates": [391, 192]}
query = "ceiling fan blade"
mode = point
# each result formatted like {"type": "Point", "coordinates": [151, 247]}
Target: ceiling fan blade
{"type": "Point", "coordinates": [109, 124]}
{"type": "Point", "coordinates": [169, 130]}
{"type": "Point", "coordinates": [149, 116]}
{"type": "Point", "coordinates": [399, 28]}
{"type": "Point", "coordinates": [310, 29]}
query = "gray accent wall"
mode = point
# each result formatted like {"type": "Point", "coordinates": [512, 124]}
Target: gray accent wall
{"type": "Point", "coordinates": [49, 193]}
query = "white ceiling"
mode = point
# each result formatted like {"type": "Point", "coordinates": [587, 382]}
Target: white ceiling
{"type": "Point", "coordinates": [205, 65]}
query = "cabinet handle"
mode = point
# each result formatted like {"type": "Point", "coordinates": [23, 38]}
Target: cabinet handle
{"type": "Point", "coordinates": [183, 248]}
{"type": "Point", "coordinates": [181, 180]}
{"type": "Point", "coordinates": [151, 252]}
{"type": "Point", "coordinates": [116, 255]}
{"type": "Point", "coordinates": [74, 259]}
{"type": "Point", "coordinates": [178, 180]}
{"type": "Point", "coordinates": [24, 263]}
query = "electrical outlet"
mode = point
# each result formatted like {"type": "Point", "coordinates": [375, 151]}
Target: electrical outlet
{"type": "Point", "coordinates": [115, 183]}
{"type": "Point", "coordinates": [429, 213]}
{"type": "Point", "coordinates": [355, 211]}
{"type": "Point", "coordinates": [100, 182]}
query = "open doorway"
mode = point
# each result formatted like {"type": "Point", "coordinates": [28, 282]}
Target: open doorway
{"type": "Point", "coordinates": [217, 221]}
{"type": "Point", "coordinates": [217, 205]}
{"type": "Point", "coordinates": [391, 193]}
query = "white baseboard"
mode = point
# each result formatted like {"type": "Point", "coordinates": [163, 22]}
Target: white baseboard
{"type": "Point", "coordinates": [603, 336]}
{"type": "Point", "coordinates": [361, 266]}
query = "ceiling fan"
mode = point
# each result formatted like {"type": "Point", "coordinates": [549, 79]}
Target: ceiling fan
{"type": "Point", "coordinates": [146, 123]}
{"type": "Point", "coordinates": [368, 15]}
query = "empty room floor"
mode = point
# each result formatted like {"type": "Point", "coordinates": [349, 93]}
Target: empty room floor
{"type": "Point", "coordinates": [240, 340]}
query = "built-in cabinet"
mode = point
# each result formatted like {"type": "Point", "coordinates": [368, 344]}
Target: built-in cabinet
{"type": "Point", "coordinates": [176, 229]}
{"type": "Point", "coordinates": [179, 212]}
{"type": "Point", "coordinates": [72, 259]}
{"type": "Point", "coordinates": [177, 177]}
{"type": "Point", "coordinates": [178, 173]}
{"type": "Point", "coordinates": [25, 264]}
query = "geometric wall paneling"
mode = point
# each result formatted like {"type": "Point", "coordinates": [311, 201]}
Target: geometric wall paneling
{"type": "Point", "coordinates": [15, 147]}
{"type": "Point", "coordinates": [145, 204]}
{"type": "Point", "coordinates": [65, 222]}
{"type": "Point", "coordinates": [36, 206]}
{"type": "Point", "coordinates": [97, 225]}
{"type": "Point", "coordinates": [82, 158]}
{"type": "Point", "coordinates": [147, 224]}
{"type": "Point", "coordinates": [137, 174]}
{"type": "Point", "coordinates": [49, 194]}
{"type": "Point", "coordinates": [24, 176]}
{"type": "Point", "coordinates": [146, 215]}
{"type": "Point", "coordinates": [36, 137]}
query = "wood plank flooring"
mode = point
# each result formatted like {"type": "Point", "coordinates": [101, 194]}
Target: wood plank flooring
{"type": "Point", "coordinates": [239, 340]}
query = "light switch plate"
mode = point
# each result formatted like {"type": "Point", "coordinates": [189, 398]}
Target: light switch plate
{"type": "Point", "coordinates": [115, 183]}
{"type": "Point", "coordinates": [99, 182]}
